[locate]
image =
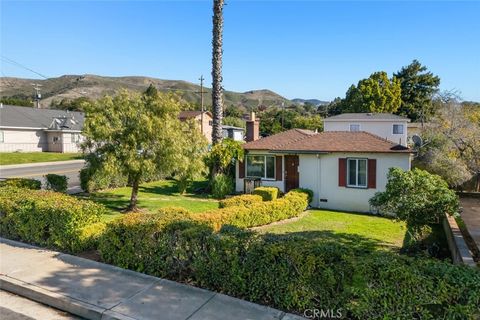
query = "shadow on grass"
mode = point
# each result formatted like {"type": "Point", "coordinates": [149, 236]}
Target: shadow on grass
{"type": "Point", "coordinates": [169, 188]}
{"type": "Point", "coordinates": [357, 243]}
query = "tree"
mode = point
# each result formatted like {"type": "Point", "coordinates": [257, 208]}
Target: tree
{"type": "Point", "coordinates": [375, 94]}
{"type": "Point", "coordinates": [224, 155]}
{"type": "Point", "coordinates": [76, 104]}
{"type": "Point", "coordinates": [418, 89]}
{"type": "Point", "coordinates": [217, 89]}
{"type": "Point", "coordinates": [135, 134]}
{"type": "Point", "coordinates": [453, 145]}
{"type": "Point", "coordinates": [416, 197]}
{"type": "Point", "coordinates": [190, 164]}
{"type": "Point", "coordinates": [314, 122]}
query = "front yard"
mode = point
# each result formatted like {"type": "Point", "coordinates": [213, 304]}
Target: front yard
{"type": "Point", "coordinates": [32, 157]}
{"type": "Point", "coordinates": [153, 196]}
{"type": "Point", "coordinates": [357, 230]}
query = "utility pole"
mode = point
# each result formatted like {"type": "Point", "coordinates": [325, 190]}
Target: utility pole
{"type": "Point", "coordinates": [201, 101]}
{"type": "Point", "coordinates": [38, 95]}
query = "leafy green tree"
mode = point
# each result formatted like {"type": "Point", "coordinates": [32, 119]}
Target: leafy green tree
{"type": "Point", "coordinates": [76, 104]}
{"type": "Point", "coordinates": [314, 123]}
{"type": "Point", "coordinates": [375, 94]}
{"type": "Point", "coordinates": [418, 89]}
{"type": "Point", "coordinates": [224, 156]}
{"type": "Point", "coordinates": [151, 91]}
{"type": "Point", "coordinates": [417, 197]}
{"type": "Point", "coordinates": [235, 122]}
{"type": "Point", "coordinates": [190, 164]}
{"type": "Point", "coordinates": [135, 134]}
{"type": "Point", "coordinates": [19, 100]}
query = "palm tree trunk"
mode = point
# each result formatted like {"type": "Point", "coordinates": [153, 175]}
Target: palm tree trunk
{"type": "Point", "coordinates": [217, 90]}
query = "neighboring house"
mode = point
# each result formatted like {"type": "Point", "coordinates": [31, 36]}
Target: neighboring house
{"type": "Point", "coordinates": [343, 168]}
{"type": "Point", "coordinates": [384, 125]}
{"type": "Point", "coordinates": [26, 129]}
{"type": "Point", "coordinates": [205, 124]}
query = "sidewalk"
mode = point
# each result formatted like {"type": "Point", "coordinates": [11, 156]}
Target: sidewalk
{"type": "Point", "coordinates": [94, 290]}
{"type": "Point", "coordinates": [471, 216]}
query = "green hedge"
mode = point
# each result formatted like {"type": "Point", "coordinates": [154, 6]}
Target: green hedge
{"type": "Point", "coordinates": [291, 273]}
{"type": "Point", "coordinates": [58, 183]}
{"type": "Point", "coordinates": [267, 193]}
{"type": "Point", "coordinates": [307, 191]}
{"type": "Point", "coordinates": [256, 214]}
{"type": "Point", "coordinates": [21, 183]}
{"type": "Point", "coordinates": [47, 218]}
{"type": "Point", "coordinates": [245, 200]}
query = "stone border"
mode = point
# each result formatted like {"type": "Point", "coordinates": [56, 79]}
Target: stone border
{"type": "Point", "coordinates": [456, 243]}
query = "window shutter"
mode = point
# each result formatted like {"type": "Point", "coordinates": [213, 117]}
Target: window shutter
{"type": "Point", "coordinates": [241, 169]}
{"type": "Point", "coordinates": [372, 173]}
{"type": "Point", "coordinates": [342, 172]}
{"type": "Point", "coordinates": [278, 168]}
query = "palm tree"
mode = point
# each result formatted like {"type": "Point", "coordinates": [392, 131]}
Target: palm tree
{"type": "Point", "coordinates": [217, 90]}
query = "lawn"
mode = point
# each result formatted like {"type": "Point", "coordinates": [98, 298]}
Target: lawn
{"type": "Point", "coordinates": [32, 157]}
{"type": "Point", "coordinates": [152, 196]}
{"type": "Point", "coordinates": [359, 230]}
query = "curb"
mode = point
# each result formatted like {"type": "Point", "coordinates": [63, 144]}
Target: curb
{"type": "Point", "coordinates": [39, 164]}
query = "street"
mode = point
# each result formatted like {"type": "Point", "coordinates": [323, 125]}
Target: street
{"type": "Point", "coordinates": [71, 169]}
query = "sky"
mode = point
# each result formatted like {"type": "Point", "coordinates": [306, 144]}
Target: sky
{"type": "Point", "coordinates": [299, 49]}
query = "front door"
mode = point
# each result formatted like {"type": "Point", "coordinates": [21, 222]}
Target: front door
{"type": "Point", "coordinates": [291, 173]}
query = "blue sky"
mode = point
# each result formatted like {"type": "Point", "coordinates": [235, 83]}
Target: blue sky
{"type": "Point", "coordinates": [312, 49]}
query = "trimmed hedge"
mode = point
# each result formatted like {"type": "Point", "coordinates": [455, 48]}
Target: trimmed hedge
{"type": "Point", "coordinates": [48, 218]}
{"type": "Point", "coordinates": [267, 193]}
{"type": "Point", "coordinates": [307, 191]}
{"type": "Point", "coordinates": [245, 200]}
{"type": "Point", "coordinates": [22, 183]}
{"type": "Point", "coordinates": [55, 182]}
{"type": "Point", "coordinates": [291, 273]}
{"type": "Point", "coordinates": [256, 214]}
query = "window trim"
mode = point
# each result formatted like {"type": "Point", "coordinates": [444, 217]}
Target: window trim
{"type": "Point", "coordinates": [265, 166]}
{"type": "Point", "coordinates": [354, 124]}
{"type": "Point", "coordinates": [357, 186]}
{"type": "Point", "coordinates": [398, 124]}
{"type": "Point", "coordinates": [2, 136]}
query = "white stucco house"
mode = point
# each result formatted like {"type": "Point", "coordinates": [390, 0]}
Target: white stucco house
{"type": "Point", "coordinates": [343, 166]}
{"type": "Point", "coordinates": [27, 129]}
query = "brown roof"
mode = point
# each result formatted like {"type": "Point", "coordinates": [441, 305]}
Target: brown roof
{"type": "Point", "coordinates": [305, 141]}
{"type": "Point", "coordinates": [278, 140]}
{"type": "Point", "coordinates": [192, 114]}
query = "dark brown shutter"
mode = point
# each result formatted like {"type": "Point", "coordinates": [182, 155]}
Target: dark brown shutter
{"type": "Point", "coordinates": [342, 172]}
{"type": "Point", "coordinates": [241, 169]}
{"type": "Point", "coordinates": [278, 168]}
{"type": "Point", "coordinates": [372, 173]}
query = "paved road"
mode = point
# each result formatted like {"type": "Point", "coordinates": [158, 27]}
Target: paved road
{"type": "Point", "coordinates": [13, 307]}
{"type": "Point", "coordinates": [36, 171]}
{"type": "Point", "coordinates": [471, 217]}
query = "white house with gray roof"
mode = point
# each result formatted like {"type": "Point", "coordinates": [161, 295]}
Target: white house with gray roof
{"type": "Point", "coordinates": [384, 125]}
{"type": "Point", "coordinates": [26, 129]}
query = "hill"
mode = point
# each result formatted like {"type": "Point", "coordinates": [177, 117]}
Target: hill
{"type": "Point", "coordinates": [94, 86]}
{"type": "Point", "coordinates": [314, 102]}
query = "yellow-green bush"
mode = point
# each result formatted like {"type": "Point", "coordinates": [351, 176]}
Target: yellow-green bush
{"type": "Point", "coordinates": [245, 200]}
{"type": "Point", "coordinates": [46, 218]}
{"type": "Point", "coordinates": [258, 213]}
{"type": "Point", "coordinates": [267, 193]}
{"type": "Point", "coordinates": [21, 183]}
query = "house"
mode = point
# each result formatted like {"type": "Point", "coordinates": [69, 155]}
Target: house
{"type": "Point", "coordinates": [205, 123]}
{"type": "Point", "coordinates": [344, 168]}
{"type": "Point", "coordinates": [26, 129]}
{"type": "Point", "coordinates": [384, 125]}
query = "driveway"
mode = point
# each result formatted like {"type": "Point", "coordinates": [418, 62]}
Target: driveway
{"type": "Point", "coordinates": [71, 169]}
{"type": "Point", "coordinates": [471, 216]}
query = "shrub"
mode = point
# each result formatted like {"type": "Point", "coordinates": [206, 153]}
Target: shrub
{"type": "Point", "coordinates": [22, 183]}
{"type": "Point", "coordinates": [267, 193]}
{"type": "Point", "coordinates": [416, 197]}
{"type": "Point", "coordinates": [58, 183]}
{"type": "Point", "coordinates": [304, 190]}
{"type": "Point", "coordinates": [89, 237]}
{"type": "Point", "coordinates": [222, 185]}
{"type": "Point", "coordinates": [245, 200]}
{"type": "Point", "coordinates": [174, 213]}
{"type": "Point", "coordinates": [92, 180]}
{"type": "Point", "coordinates": [46, 218]}
{"type": "Point", "coordinates": [256, 214]}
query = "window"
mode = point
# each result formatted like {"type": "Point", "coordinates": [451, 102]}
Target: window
{"type": "Point", "coordinates": [261, 167]}
{"type": "Point", "coordinates": [210, 123]}
{"type": "Point", "coordinates": [55, 139]}
{"type": "Point", "coordinates": [2, 138]}
{"type": "Point", "coordinates": [398, 129]}
{"type": "Point", "coordinates": [357, 173]}
{"type": "Point", "coordinates": [354, 127]}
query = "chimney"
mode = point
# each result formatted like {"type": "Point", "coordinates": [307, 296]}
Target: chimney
{"type": "Point", "coordinates": [253, 128]}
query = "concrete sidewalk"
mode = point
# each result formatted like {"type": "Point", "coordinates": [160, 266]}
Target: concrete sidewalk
{"type": "Point", "coordinates": [471, 216]}
{"type": "Point", "coordinates": [95, 290]}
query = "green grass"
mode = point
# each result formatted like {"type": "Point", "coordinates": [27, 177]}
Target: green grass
{"type": "Point", "coordinates": [32, 157]}
{"type": "Point", "coordinates": [364, 232]}
{"type": "Point", "coordinates": [152, 196]}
